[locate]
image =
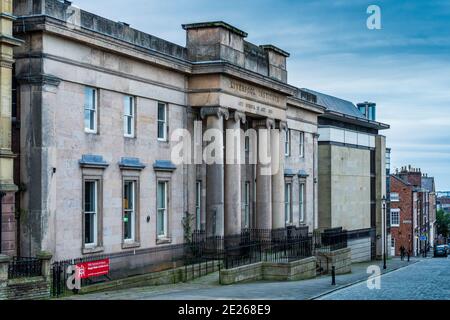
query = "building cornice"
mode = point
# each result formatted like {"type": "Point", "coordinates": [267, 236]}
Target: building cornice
{"type": "Point", "coordinates": [14, 42]}
{"type": "Point", "coordinates": [225, 67]}
{"type": "Point", "coordinates": [106, 42]}
{"type": "Point", "coordinates": [354, 120]}
{"type": "Point", "coordinates": [215, 24]}
{"type": "Point", "coordinates": [307, 105]}
{"type": "Point", "coordinates": [42, 79]}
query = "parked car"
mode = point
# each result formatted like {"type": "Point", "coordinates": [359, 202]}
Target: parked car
{"type": "Point", "coordinates": [441, 250]}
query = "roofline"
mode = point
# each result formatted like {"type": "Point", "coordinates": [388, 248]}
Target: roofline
{"type": "Point", "coordinates": [213, 24]}
{"type": "Point", "coordinates": [406, 183]}
{"type": "Point", "coordinates": [356, 120]}
{"type": "Point", "coordinates": [319, 109]}
{"type": "Point", "coordinates": [276, 49]}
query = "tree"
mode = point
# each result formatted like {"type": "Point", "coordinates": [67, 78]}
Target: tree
{"type": "Point", "coordinates": [443, 223]}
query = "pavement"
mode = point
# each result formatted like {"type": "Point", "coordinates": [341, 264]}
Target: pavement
{"type": "Point", "coordinates": [208, 287]}
{"type": "Point", "coordinates": [429, 279]}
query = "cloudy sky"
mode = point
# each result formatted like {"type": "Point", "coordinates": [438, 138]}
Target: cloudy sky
{"type": "Point", "coordinates": [404, 67]}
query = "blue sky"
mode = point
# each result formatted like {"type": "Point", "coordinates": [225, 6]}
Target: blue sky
{"type": "Point", "coordinates": [404, 67]}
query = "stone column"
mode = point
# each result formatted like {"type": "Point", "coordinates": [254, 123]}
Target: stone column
{"type": "Point", "coordinates": [264, 175]}
{"type": "Point", "coordinates": [233, 157]}
{"type": "Point", "coordinates": [45, 257]}
{"type": "Point", "coordinates": [7, 187]}
{"type": "Point", "coordinates": [214, 169]}
{"type": "Point", "coordinates": [277, 152]}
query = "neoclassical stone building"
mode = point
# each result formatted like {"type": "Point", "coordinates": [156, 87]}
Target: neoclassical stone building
{"type": "Point", "coordinates": [98, 103]}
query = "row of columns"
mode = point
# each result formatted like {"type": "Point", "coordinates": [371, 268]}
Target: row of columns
{"type": "Point", "coordinates": [223, 181]}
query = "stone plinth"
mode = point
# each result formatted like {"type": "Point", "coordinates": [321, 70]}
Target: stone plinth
{"type": "Point", "coordinates": [289, 271]}
{"type": "Point", "coordinates": [341, 259]}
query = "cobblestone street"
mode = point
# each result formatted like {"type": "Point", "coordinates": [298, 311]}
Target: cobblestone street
{"type": "Point", "coordinates": [207, 288]}
{"type": "Point", "coordinates": [428, 279]}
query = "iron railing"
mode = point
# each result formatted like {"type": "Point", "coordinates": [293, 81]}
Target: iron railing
{"type": "Point", "coordinates": [203, 254]}
{"type": "Point", "coordinates": [22, 267]}
{"type": "Point", "coordinates": [329, 240]}
{"type": "Point", "coordinates": [255, 245]}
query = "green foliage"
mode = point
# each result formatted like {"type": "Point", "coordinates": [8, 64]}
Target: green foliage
{"type": "Point", "coordinates": [443, 223]}
{"type": "Point", "coordinates": [187, 226]}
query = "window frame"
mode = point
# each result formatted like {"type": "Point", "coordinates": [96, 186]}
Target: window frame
{"type": "Point", "coordinates": [394, 199]}
{"type": "Point", "coordinates": [129, 100]}
{"type": "Point", "coordinates": [95, 213]}
{"type": "Point", "coordinates": [164, 122]}
{"type": "Point", "coordinates": [287, 142]}
{"type": "Point", "coordinates": [288, 203]}
{"type": "Point", "coordinates": [134, 210]}
{"type": "Point", "coordinates": [301, 201]}
{"type": "Point", "coordinates": [97, 246]}
{"type": "Point", "coordinates": [166, 209]}
{"type": "Point", "coordinates": [302, 144]}
{"type": "Point", "coordinates": [395, 211]}
{"type": "Point", "coordinates": [94, 110]}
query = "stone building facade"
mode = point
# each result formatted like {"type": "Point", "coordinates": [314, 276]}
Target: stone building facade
{"type": "Point", "coordinates": [8, 188]}
{"type": "Point", "coordinates": [352, 174]}
{"type": "Point", "coordinates": [99, 103]}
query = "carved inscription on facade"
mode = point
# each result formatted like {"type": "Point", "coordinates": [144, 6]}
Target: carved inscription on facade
{"type": "Point", "coordinates": [255, 92]}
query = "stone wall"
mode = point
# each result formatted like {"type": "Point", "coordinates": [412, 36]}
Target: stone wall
{"type": "Point", "coordinates": [291, 271]}
{"type": "Point", "coordinates": [340, 259]}
{"type": "Point", "coordinates": [171, 276]}
{"type": "Point", "coordinates": [361, 249]}
{"type": "Point", "coordinates": [25, 288]}
{"type": "Point", "coordinates": [344, 187]}
{"type": "Point", "coordinates": [28, 289]}
{"type": "Point", "coordinates": [8, 224]}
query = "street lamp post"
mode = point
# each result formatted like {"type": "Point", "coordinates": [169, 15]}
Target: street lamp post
{"type": "Point", "coordinates": [384, 231]}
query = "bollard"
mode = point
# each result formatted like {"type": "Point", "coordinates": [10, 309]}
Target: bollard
{"type": "Point", "coordinates": [333, 275]}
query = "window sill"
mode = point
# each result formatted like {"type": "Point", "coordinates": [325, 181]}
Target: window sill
{"type": "Point", "coordinates": [131, 244]}
{"type": "Point", "coordinates": [89, 250]}
{"type": "Point", "coordinates": [163, 240]}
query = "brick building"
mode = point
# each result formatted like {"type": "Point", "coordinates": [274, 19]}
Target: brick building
{"type": "Point", "coordinates": [402, 215]}
{"type": "Point", "coordinates": [413, 211]}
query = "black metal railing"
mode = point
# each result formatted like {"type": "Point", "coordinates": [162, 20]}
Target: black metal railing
{"type": "Point", "coordinates": [255, 245]}
{"type": "Point", "coordinates": [329, 240]}
{"type": "Point", "coordinates": [22, 267]}
{"type": "Point", "coordinates": [201, 255]}
{"type": "Point", "coordinates": [124, 264]}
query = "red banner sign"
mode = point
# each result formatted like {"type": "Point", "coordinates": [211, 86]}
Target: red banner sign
{"type": "Point", "coordinates": [93, 269]}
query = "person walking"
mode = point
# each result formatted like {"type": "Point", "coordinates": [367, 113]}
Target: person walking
{"type": "Point", "coordinates": [402, 252]}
